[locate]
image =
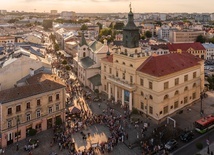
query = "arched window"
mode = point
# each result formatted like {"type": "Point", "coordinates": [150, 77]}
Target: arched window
{"type": "Point", "coordinates": [116, 61]}
{"type": "Point", "coordinates": [131, 65]}
{"type": "Point", "coordinates": [83, 54]}
{"type": "Point", "coordinates": [176, 92]}
{"type": "Point", "coordinates": [166, 97]}
{"type": "Point", "coordinates": [151, 98]}
{"type": "Point", "coordinates": [124, 63]}
{"type": "Point", "coordinates": [186, 88]}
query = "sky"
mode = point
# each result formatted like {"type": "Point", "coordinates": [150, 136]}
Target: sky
{"type": "Point", "coordinates": [109, 6]}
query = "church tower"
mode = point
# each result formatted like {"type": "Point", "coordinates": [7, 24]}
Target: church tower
{"type": "Point", "coordinates": [131, 34]}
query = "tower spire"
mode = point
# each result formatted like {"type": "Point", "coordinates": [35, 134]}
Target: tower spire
{"type": "Point", "coordinates": [130, 6]}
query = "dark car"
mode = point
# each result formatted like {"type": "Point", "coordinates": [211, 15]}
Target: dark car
{"type": "Point", "coordinates": [171, 144]}
{"type": "Point", "coordinates": [187, 136]}
{"type": "Point", "coordinates": [97, 99]}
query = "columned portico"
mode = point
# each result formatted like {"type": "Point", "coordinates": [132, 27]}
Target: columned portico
{"type": "Point", "coordinates": [130, 101]}
{"type": "Point", "coordinates": [123, 97]}
{"type": "Point", "coordinates": [109, 91]}
{"type": "Point", "coordinates": [115, 93]}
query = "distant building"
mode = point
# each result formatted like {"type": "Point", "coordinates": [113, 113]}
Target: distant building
{"type": "Point", "coordinates": [54, 12]}
{"type": "Point", "coordinates": [184, 36]}
{"type": "Point", "coordinates": [3, 11]}
{"type": "Point", "coordinates": [210, 50]}
{"type": "Point", "coordinates": [162, 16]}
{"type": "Point", "coordinates": [196, 49]}
{"type": "Point", "coordinates": [68, 15]}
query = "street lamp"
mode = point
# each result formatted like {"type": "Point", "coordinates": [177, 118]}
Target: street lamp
{"type": "Point", "coordinates": [201, 111]}
{"type": "Point", "coordinates": [17, 136]}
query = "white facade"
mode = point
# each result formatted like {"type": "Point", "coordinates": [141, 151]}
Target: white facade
{"type": "Point", "coordinates": [210, 50]}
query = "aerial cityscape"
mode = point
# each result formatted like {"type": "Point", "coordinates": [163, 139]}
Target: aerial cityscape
{"type": "Point", "coordinates": [106, 77]}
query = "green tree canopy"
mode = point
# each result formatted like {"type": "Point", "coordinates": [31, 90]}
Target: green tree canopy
{"type": "Point", "coordinates": [47, 24]}
{"type": "Point", "coordinates": [200, 39]}
{"type": "Point", "coordinates": [84, 27]}
{"type": "Point", "coordinates": [148, 34]}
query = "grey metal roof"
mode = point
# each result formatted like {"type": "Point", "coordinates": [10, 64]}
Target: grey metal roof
{"type": "Point", "coordinates": [87, 62]}
{"type": "Point", "coordinates": [95, 80]}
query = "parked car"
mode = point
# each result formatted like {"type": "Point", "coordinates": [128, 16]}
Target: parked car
{"type": "Point", "coordinates": [171, 144]}
{"type": "Point", "coordinates": [97, 99]}
{"type": "Point", "coordinates": [187, 136]}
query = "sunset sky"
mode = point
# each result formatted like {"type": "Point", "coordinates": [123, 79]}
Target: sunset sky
{"type": "Point", "coordinates": [111, 6]}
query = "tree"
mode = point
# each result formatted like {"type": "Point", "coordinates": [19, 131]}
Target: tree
{"type": "Point", "coordinates": [210, 79]}
{"type": "Point", "coordinates": [47, 24]}
{"type": "Point", "coordinates": [148, 34]}
{"type": "Point", "coordinates": [56, 47]}
{"type": "Point", "coordinates": [200, 39]}
{"type": "Point", "coordinates": [143, 37]}
{"type": "Point", "coordinates": [100, 25]}
{"type": "Point", "coordinates": [84, 27]}
{"type": "Point", "coordinates": [64, 62]}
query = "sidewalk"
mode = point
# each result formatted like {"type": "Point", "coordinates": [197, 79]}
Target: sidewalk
{"type": "Point", "coordinates": [204, 151]}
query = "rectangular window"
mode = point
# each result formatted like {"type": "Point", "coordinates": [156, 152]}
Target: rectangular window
{"type": "Point", "coordinates": [38, 113]}
{"type": "Point", "coordinates": [124, 76]}
{"type": "Point", "coordinates": [50, 110]}
{"type": "Point", "coordinates": [185, 100]}
{"type": "Point", "coordinates": [150, 85]}
{"type": "Point", "coordinates": [110, 70]}
{"type": "Point", "coordinates": [194, 95]}
{"type": "Point", "coordinates": [104, 68]}
{"type": "Point", "coordinates": [50, 99]}
{"type": "Point", "coordinates": [142, 105]}
{"type": "Point", "coordinates": [28, 105]}
{"type": "Point", "coordinates": [116, 73]}
{"type": "Point", "coordinates": [9, 111]}
{"type": "Point", "coordinates": [57, 96]}
{"type": "Point", "coordinates": [185, 78]}
{"type": "Point", "coordinates": [28, 117]}
{"type": "Point", "coordinates": [9, 123]}
{"type": "Point", "coordinates": [18, 134]}
{"type": "Point", "coordinates": [194, 75]}
{"type": "Point", "coordinates": [165, 110]}
{"type": "Point", "coordinates": [57, 107]}
{"type": "Point", "coordinates": [141, 82]}
{"type": "Point", "coordinates": [176, 81]}
{"type": "Point", "coordinates": [176, 105]}
{"type": "Point", "coordinates": [18, 108]}
{"type": "Point", "coordinates": [166, 85]}
{"type": "Point", "coordinates": [131, 79]}
{"type": "Point", "coordinates": [38, 102]}
{"type": "Point", "coordinates": [150, 110]}
{"type": "Point", "coordinates": [38, 126]}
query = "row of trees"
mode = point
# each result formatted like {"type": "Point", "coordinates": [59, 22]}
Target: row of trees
{"type": "Point", "coordinates": [203, 39]}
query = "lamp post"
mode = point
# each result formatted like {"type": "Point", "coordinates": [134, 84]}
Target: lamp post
{"type": "Point", "coordinates": [17, 136]}
{"type": "Point", "coordinates": [201, 111]}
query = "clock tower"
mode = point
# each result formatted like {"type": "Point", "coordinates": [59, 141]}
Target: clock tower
{"type": "Point", "coordinates": [131, 34]}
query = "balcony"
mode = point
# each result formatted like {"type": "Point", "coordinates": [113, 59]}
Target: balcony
{"type": "Point", "coordinates": [121, 83]}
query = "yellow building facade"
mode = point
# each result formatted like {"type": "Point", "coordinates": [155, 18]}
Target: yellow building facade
{"type": "Point", "coordinates": [33, 106]}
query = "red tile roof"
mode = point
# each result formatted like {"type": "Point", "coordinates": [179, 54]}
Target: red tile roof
{"type": "Point", "coordinates": [167, 64]}
{"type": "Point", "coordinates": [108, 59]}
{"type": "Point", "coordinates": [185, 46]}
